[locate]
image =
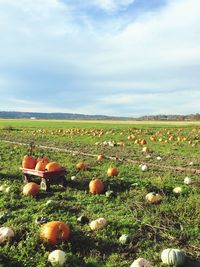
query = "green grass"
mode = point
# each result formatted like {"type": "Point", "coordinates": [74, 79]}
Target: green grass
{"type": "Point", "coordinates": [174, 222]}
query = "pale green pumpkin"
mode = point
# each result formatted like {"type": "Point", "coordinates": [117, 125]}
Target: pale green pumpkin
{"type": "Point", "coordinates": [173, 257]}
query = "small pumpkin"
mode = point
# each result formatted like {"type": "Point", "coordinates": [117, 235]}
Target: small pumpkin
{"type": "Point", "coordinates": [100, 157]}
{"type": "Point", "coordinates": [124, 239]}
{"type": "Point", "coordinates": [177, 190]}
{"type": "Point", "coordinates": [143, 142]}
{"type": "Point", "coordinates": [98, 224]}
{"type": "Point", "coordinates": [42, 158]}
{"type": "Point", "coordinates": [41, 165]}
{"type": "Point", "coordinates": [53, 166]}
{"type": "Point", "coordinates": [96, 186]}
{"type": "Point", "coordinates": [31, 189]}
{"type": "Point", "coordinates": [57, 258]}
{"type": "Point", "coordinates": [6, 233]}
{"type": "Point", "coordinates": [55, 232]}
{"type": "Point", "coordinates": [112, 171]}
{"type": "Point", "coordinates": [28, 162]}
{"type": "Point", "coordinates": [153, 197]}
{"type": "Point", "coordinates": [143, 167]}
{"type": "Point", "coordinates": [81, 165]}
{"type": "Point", "coordinates": [171, 256]}
{"type": "Point", "coordinates": [188, 180]}
{"type": "Point", "coordinates": [140, 262]}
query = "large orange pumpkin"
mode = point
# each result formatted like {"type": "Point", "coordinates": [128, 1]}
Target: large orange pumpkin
{"type": "Point", "coordinates": [41, 165]}
{"type": "Point", "coordinates": [96, 186]}
{"type": "Point", "coordinates": [28, 162]}
{"type": "Point", "coordinates": [31, 189]}
{"type": "Point", "coordinates": [112, 171]}
{"type": "Point", "coordinates": [55, 232]}
{"type": "Point", "coordinates": [53, 166]}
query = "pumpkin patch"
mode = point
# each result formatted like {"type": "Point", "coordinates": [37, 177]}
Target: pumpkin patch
{"type": "Point", "coordinates": [144, 211]}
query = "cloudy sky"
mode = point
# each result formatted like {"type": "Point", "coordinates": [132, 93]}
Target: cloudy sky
{"type": "Point", "coordinates": [112, 57]}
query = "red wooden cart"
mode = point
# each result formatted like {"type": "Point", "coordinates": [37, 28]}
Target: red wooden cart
{"type": "Point", "coordinates": [47, 177]}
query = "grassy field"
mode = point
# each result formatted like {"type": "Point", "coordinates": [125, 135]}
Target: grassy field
{"type": "Point", "coordinates": [173, 222]}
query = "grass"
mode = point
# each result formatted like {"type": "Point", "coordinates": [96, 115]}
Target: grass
{"type": "Point", "coordinates": [174, 222]}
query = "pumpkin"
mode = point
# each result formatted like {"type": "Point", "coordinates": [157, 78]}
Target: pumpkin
{"type": "Point", "coordinates": [145, 149]}
{"type": "Point", "coordinates": [171, 256]}
{"type": "Point", "coordinates": [100, 157]}
{"type": "Point", "coordinates": [42, 158]}
{"type": "Point", "coordinates": [31, 189]}
{"type": "Point", "coordinates": [152, 197]}
{"type": "Point", "coordinates": [140, 262]}
{"type": "Point", "coordinates": [143, 167]}
{"type": "Point", "coordinates": [57, 258]}
{"type": "Point", "coordinates": [81, 166]}
{"type": "Point", "coordinates": [188, 180]}
{"type": "Point", "coordinates": [177, 190]}
{"type": "Point", "coordinates": [28, 162]}
{"type": "Point", "coordinates": [55, 232]}
{"type": "Point", "coordinates": [124, 239]}
{"type": "Point", "coordinates": [53, 166]}
{"type": "Point", "coordinates": [143, 142]}
{"type": "Point", "coordinates": [112, 171]}
{"type": "Point", "coordinates": [41, 165]}
{"type": "Point", "coordinates": [96, 186]}
{"type": "Point", "coordinates": [6, 233]}
{"type": "Point", "coordinates": [98, 224]}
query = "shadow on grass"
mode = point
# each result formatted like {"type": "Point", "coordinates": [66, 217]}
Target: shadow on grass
{"type": "Point", "coordinates": [191, 263]}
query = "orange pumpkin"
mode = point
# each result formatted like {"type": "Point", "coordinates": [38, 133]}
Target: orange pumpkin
{"type": "Point", "coordinates": [53, 166]}
{"type": "Point", "coordinates": [143, 142]}
{"type": "Point", "coordinates": [41, 165]}
{"type": "Point", "coordinates": [28, 162]}
{"type": "Point", "coordinates": [55, 232]}
{"type": "Point", "coordinates": [31, 189]}
{"type": "Point", "coordinates": [43, 158]}
{"type": "Point", "coordinates": [96, 186]}
{"type": "Point", "coordinates": [112, 171]}
{"type": "Point", "coordinates": [100, 157]}
{"type": "Point", "coordinates": [81, 166]}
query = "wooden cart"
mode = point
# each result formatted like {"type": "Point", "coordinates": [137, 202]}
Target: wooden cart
{"type": "Point", "coordinates": [47, 177]}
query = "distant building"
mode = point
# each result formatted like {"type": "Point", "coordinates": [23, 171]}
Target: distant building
{"type": "Point", "coordinates": [32, 118]}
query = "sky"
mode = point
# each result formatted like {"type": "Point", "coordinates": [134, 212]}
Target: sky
{"type": "Point", "coordinates": [110, 57]}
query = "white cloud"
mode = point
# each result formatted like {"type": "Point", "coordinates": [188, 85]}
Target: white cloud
{"type": "Point", "coordinates": [144, 66]}
{"type": "Point", "coordinates": [112, 5]}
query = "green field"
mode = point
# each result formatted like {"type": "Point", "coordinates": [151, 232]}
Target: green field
{"type": "Point", "coordinates": [171, 223]}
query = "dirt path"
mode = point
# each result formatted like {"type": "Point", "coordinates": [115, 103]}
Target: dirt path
{"type": "Point", "coordinates": [125, 160]}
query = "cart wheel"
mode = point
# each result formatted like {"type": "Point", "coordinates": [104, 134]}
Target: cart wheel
{"type": "Point", "coordinates": [44, 185]}
{"type": "Point", "coordinates": [63, 182]}
{"type": "Point", "coordinates": [26, 179]}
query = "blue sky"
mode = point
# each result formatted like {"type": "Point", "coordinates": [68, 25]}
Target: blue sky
{"type": "Point", "coordinates": [112, 57]}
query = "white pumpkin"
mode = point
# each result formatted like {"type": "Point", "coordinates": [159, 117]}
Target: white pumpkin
{"type": "Point", "coordinates": [153, 197]}
{"type": "Point", "coordinates": [144, 167]}
{"type": "Point", "coordinates": [124, 239]}
{"type": "Point", "coordinates": [174, 257]}
{"type": "Point", "coordinates": [57, 258]}
{"type": "Point", "coordinates": [140, 262]}
{"type": "Point", "coordinates": [73, 178]}
{"type": "Point", "coordinates": [6, 233]}
{"type": "Point", "coordinates": [188, 180]}
{"type": "Point", "coordinates": [98, 224]}
{"type": "Point", "coordinates": [177, 190]}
